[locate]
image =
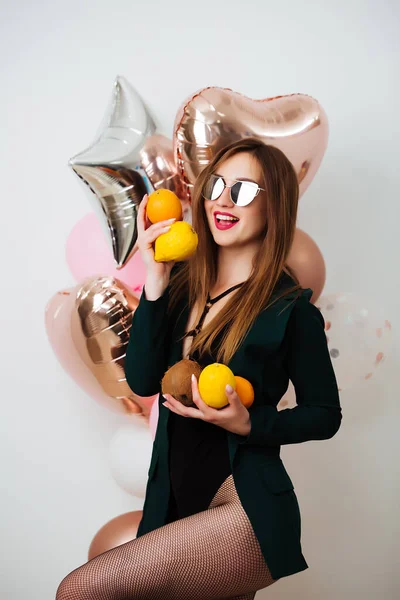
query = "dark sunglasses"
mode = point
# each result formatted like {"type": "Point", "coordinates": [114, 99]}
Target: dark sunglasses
{"type": "Point", "coordinates": [241, 192]}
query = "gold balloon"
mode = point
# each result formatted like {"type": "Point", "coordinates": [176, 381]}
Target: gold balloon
{"type": "Point", "coordinates": [100, 326]}
{"type": "Point", "coordinates": [307, 261]}
{"type": "Point", "coordinates": [215, 117]}
{"type": "Point", "coordinates": [116, 532]}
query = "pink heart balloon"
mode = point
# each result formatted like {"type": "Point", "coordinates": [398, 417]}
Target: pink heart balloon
{"type": "Point", "coordinates": [214, 117]}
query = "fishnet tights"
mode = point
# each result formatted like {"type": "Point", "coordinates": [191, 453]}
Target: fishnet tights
{"type": "Point", "coordinates": [210, 555]}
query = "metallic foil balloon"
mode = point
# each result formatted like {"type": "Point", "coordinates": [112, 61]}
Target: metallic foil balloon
{"type": "Point", "coordinates": [125, 161]}
{"type": "Point", "coordinates": [58, 329]}
{"type": "Point", "coordinates": [157, 159]}
{"type": "Point", "coordinates": [100, 326]}
{"type": "Point", "coordinates": [307, 261]}
{"type": "Point", "coordinates": [116, 532]}
{"type": "Point", "coordinates": [214, 117]}
{"type": "Point", "coordinates": [96, 378]}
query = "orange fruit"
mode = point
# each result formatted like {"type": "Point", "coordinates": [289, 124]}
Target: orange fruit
{"type": "Point", "coordinates": [212, 382]}
{"type": "Point", "coordinates": [244, 390]}
{"type": "Point", "coordinates": [162, 205]}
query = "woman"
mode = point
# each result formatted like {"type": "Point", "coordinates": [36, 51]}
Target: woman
{"type": "Point", "coordinates": [221, 518]}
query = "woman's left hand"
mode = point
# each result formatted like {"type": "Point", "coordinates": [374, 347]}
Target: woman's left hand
{"type": "Point", "coordinates": [234, 416]}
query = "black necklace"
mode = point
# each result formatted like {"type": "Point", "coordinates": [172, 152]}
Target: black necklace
{"type": "Point", "coordinates": [209, 303]}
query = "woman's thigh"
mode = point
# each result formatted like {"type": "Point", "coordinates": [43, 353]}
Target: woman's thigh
{"type": "Point", "coordinates": [258, 569]}
{"type": "Point", "coordinates": [210, 555]}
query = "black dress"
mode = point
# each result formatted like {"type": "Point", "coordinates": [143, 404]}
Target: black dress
{"type": "Point", "coordinates": [198, 457]}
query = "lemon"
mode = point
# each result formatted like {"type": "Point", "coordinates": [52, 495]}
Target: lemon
{"type": "Point", "coordinates": [212, 382]}
{"type": "Point", "coordinates": [177, 244]}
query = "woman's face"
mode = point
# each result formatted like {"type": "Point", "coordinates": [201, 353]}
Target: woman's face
{"type": "Point", "coordinates": [252, 218]}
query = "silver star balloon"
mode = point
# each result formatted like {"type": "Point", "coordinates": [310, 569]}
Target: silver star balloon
{"type": "Point", "coordinates": [125, 161]}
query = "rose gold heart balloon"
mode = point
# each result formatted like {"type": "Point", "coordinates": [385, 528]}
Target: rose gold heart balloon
{"type": "Point", "coordinates": [100, 326]}
{"type": "Point", "coordinates": [58, 329]}
{"type": "Point", "coordinates": [215, 117]}
{"type": "Point", "coordinates": [103, 382]}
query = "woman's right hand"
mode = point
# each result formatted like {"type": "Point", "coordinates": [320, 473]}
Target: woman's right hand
{"type": "Point", "coordinates": [147, 234]}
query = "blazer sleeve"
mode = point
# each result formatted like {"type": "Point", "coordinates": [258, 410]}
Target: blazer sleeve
{"type": "Point", "coordinates": [318, 413]}
{"type": "Point", "coordinates": [146, 353]}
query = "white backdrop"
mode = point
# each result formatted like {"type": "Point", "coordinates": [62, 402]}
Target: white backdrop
{"type": "Point", "coordinates": [59, 61]}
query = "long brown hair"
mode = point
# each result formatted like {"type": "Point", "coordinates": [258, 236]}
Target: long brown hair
{"type": "Point", "coordinates": [198, 274]}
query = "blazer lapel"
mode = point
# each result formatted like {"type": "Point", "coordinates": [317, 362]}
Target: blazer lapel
{"type": "Point", "coordinates": [175, 355]}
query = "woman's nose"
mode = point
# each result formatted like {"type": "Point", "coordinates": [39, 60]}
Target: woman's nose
{"type": "Point", "coordinates": [225, 198]}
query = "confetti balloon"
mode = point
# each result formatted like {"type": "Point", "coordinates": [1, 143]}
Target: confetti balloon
{"type": "Point", "coordinates": [358, 334]}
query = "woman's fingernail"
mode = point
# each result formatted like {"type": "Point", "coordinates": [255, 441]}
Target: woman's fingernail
{"type": "Point", "coordinates": [193, 377]}
{"type": "Point", "coordinates": [229, 388]}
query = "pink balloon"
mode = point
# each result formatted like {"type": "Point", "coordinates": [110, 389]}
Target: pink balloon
{"type": "Point", "coordinates": [88, 255]}
{"type": "Point", "coordinates": [153, 417]}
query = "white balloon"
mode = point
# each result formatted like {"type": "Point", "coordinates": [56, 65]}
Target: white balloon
{"type": "Point", "coordinates": [129, 457]}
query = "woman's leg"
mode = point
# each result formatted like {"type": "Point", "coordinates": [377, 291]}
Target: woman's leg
{"type": "Point", "coordinates": [210, 555]}
{"type": "Point", "coordinates": [226, 493]}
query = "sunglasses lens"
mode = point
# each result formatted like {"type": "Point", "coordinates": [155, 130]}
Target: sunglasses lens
{"type": "Point", "coordinates": [213, 188]}
{"type": "Point", "coordinates": [243, 192]}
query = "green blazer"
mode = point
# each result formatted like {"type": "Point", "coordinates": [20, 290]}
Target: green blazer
{"type": "Point", "coordinates": [287, 341]}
